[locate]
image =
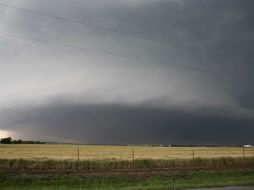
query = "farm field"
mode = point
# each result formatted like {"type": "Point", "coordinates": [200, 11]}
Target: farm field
{"type": "Point", "coordinates": [56, 166]}
{"type": "Point", "coordinates": [102, 152]}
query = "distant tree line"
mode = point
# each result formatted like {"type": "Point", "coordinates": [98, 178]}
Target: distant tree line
{"type": "Point", "coordinates": [9, 140]}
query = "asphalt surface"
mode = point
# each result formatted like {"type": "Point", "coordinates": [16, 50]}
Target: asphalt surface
{"type": "Point", "coordinates": [228, 188]}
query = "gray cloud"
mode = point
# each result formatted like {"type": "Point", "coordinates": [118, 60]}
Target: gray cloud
{"type": "Point", "coordinates": [211, 89]}
{"type": "Point", "coordinates": [130, 124]}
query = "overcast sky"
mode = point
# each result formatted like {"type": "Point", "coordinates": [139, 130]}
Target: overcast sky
{"type": "Point", "coordinates": [127, 71]}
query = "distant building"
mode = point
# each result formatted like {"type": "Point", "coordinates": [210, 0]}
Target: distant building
{"type": "Point", "coordinates": [247, 146]}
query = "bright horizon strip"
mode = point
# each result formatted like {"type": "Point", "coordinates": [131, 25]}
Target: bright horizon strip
{"type": "Point", "coordinates": [4, 133]}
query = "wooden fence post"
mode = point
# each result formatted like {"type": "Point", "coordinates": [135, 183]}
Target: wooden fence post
{"type": "Point", "coordinates": [78, 158]}
{"type": "Point", "coordinates": [243, 153]}
{"type": "Point", "coordinates": [193, 158]}
{"type": "Point", "coordinates": [133, 158]}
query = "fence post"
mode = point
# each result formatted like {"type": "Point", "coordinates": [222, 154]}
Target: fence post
{"type": "Point", "coordinates": [243, 153]}
{"type": "Point", "coordinates": [193, 156]}
{"type": "Point", "coordinates": [133, 158]}
{"type": "Point", "coordinates": [78, 158]}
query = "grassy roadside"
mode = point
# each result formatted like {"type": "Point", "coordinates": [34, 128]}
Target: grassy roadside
{"type": "Point", "coordinates": [91, 165]}
{"type": "Point", "coordinates": [147, 174]}
{"type": "Point", "coordinates": [176, 182]}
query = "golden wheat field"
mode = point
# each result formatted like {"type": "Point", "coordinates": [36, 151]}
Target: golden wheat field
{"type": "Point", "coordinates": [59, 151]}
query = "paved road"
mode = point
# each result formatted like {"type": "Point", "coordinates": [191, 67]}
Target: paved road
{"type": "Point", "coordinates": [229, 188]}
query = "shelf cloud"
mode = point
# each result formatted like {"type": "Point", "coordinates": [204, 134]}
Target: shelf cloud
{"type": "Point", "coordinates": [176, 72]}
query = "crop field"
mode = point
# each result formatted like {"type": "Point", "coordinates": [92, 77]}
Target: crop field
{"type": "Point", "coordinates": [96, 152]}
{"type": "Point", "coordinates": [56, 166]}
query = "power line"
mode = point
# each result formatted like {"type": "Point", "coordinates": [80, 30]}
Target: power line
{"type": "Point", "coordinates": [96, 51]}
{"type": "Point", "coordinates": [110, 53]}
{"type": "Point", "coordinates": [186, 68]}
{"type": "Point", "coordinates": [123, 32]}
{"type": "Point", "coordinates": [69, 46]}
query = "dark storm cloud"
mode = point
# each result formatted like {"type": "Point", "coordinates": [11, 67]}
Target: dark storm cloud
{"type": "Point", "coordinates": [217, 26]}
{"type": "Point", "coordinates": [194, 85]}
{"type": "Point", "coordinates": [131, 124]}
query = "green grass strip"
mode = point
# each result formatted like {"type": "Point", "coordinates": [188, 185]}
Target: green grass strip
{"type": "Point", "coordinates": [191, 180]}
